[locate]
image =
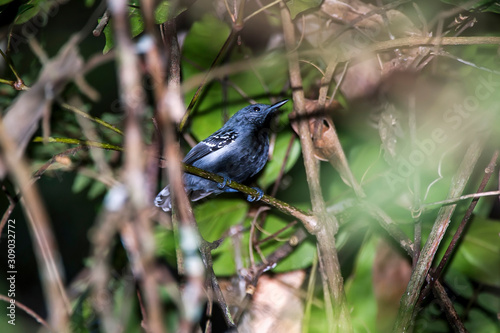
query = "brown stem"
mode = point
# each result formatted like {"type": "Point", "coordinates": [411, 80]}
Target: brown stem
{"type": "Point", "coordinates": [328, 225]}
{"type": "Point", "coordinates": [136, 230]}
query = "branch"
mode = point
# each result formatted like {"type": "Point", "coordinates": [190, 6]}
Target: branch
{"type": "Point", "coordinates": [436, 273]}
{"type": "Point", "coordinates": [45, 246]}
{"type": "Point", "coordinates": [328, 225]}
{"type": "Point", "coordinates": [309, 221]}
{"type": "Point", "coordinates": [84, 143]}
{"type": "Point", "coordinates": [407, 311]}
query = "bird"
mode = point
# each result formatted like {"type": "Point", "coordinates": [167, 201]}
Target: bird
{"type": "Point", "coordinates": [237, 152]}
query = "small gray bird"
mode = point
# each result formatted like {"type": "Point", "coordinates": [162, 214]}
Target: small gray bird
{"type": "Point", "coordinates": [237, 151]}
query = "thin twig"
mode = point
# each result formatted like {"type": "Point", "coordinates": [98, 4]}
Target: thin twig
{"type": "Point", "coordinates": [102, 23]}
{"type": "Point", "coordinates": [460, 198]}
{"type": "Point", "coordinates": [28, 311]}
{"type": "Point", "coordinates": [48, 256]}
{"type": "Point", "coordinates": [8, 211]}
{"type": "Point", "coordinates": [436, 273]}
{"type": "Point", "coordinates": [83, 143]}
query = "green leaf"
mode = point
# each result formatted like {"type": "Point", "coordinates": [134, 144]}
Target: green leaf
{"type": "Point", "coordinates": [162, 14]}
{"type": "Point", "coordinates": [201, 47]}
{"type": "Point", "coordinates": [136, 27]}
{"type": "Point", "coordinates": [216, 216]}
{"type": "Point", "coordinates": [298, 6]}
{"type": "Point", "coordinates": [165, 245]}
{"type": "Point", "coordinates": [97, 188]}
{"type": "Point", "coordinates": [300, 258]}
{"type": "Point", "coordinates": [479, 322]}
{"type": "Point", "coordinates": [223, 257]}
{"type": "Point", "coordinates": [478, 256]}
{"type": "Point", "coordinates": [26, 12]}
{"type": "Point", "coordinates": [483, 5]}
{"type": "Point", "coordinates": [46, 9]}
{"type": "Point", "coordinates": [4, 2]}
{"type": "Point", "coordinates": [273, 167]}
{"type": "Point", "coordinates": [359, 289]}
{"type": "Point", "coordinates": [80, 183]}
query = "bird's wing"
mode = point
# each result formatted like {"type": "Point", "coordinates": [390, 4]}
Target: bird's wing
{"type": "Point", "coordinates": [214, 142]}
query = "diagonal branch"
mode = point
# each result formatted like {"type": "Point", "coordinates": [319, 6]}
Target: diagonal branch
{"type": "Point", "coordinates": [407, 310]}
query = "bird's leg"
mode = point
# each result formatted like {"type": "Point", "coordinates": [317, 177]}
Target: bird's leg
{"type": "Point", "coordinates": [225, 182]}
{"type": "Point", "coordinates": [251, 198]}
{"type": "Point", "coordinates": [223, 185]}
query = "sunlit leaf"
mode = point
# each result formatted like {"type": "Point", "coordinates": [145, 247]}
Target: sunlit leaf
{"type": "Point", "coordinates": [215, 216]}
{"type": "Point", "coordinates": [273, 167]}
{"type": "Point", "coordinates": [359, 289]}
{"type": "Point", "coordinates": [483, 5]}
{"type": "Point", "coordinates": [298, 6]}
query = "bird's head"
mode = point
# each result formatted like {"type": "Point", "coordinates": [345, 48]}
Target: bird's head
{"type": "Point", "coordinates": [257, 115]}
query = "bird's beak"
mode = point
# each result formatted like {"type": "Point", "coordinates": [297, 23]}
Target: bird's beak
{"type": "Point", "coordinates": [276, 106]}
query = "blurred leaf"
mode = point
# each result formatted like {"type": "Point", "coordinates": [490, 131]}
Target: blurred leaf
{"type": "Point", "coordinates": [359, 289]}
{"type": "Point", "coordinates": [298, 6]}
{"type": "Point", "coordinates": [201, 47]}
{"type": "Point", "coordinates": [32, 8]}
{"type": "Point", "coordinates": [162, 14]}
{"type": "Point", "coordinates": [483, 5]}
{"type": "Point", "coordinates": [216, 216]}
{"type": "Point", "coordinates": [96, 189]}
{"type": "Point", "coordinates": [4, 2]}
{"type": "Point", "coordinates": [478, 322]}
{"type": "Point", "coordinates": [459, 283]}
{"type": "Point", "coordinates": [80, 183]}
{"type": "Point", "coordinates": [489, 301]}
{"type": "Point", "coordinates": [27, 11]}
{"type": "Point", "coordinates": [300, 258]}
{"type": "Point", "coordinates": [478, 256]}
{"type": "Point", "coordinates": [165, 241]}
{"type": "Point", "coordinates": [223, 258]}
{"type": "Point", "coordinates": [273, 167]}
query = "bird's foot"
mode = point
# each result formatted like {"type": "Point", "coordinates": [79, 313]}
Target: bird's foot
{"type": "Point", "coordinates": [251, 198]}
{"type": "Point", "coordinates": [224, 183]}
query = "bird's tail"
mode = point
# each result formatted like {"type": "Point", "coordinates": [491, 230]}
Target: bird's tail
{"type": "Point", "coordinates": [163, 201]}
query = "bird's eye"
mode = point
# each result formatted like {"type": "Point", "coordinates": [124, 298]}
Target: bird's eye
{"type": "Point", "coordinates": [256, 108]}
